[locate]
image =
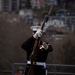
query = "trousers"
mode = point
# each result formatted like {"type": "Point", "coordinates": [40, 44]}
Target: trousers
{"type": "Point", "coordinates": [37, 69]}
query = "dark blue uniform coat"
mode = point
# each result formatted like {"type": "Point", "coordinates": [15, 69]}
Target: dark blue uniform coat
{"type": "Point", "coordinates": [41, 55]}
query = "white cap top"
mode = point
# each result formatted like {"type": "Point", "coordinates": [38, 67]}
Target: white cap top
{"type": "Point", "coordinates": [35, 28]}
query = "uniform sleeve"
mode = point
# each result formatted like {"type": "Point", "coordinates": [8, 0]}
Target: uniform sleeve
{"type": "Point", "coordinates": [50, 48]}
{"type": "Point", "coordinates": [28, 44]}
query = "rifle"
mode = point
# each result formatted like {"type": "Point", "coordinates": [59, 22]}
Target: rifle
{"type": "Point", "coordinates": [34, 53]}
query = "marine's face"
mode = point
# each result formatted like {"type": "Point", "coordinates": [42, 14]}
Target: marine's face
{"type": "Point", "coordinates": [34, 32]}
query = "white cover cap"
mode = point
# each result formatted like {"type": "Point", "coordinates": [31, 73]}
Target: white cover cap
{"type": "Point", "coordinates": [35, 28]}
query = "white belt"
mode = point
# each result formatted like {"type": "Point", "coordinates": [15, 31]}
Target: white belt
{"type": "Point", "coordinates": [38, 63]}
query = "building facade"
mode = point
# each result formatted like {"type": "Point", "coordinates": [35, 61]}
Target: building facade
{"type": "Point", "coordinates": [16, 5]}
{"type": "Point", "coordinates": [42, 3]}
{"type": "Point", "coordinates": [0, 5]}
{"type": "Point", "coordinates": [11, 5]}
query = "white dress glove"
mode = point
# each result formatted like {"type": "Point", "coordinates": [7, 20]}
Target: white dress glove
{"type": "Point", "coordinates": [45, 46]}
{"type": "Point", "coordinates": [38, 33]}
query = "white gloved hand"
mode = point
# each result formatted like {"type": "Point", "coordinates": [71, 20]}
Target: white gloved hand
{"type": "Point", "coordinates": [45, 46]}
{"type": "Point", "coordinates": [38, 33]}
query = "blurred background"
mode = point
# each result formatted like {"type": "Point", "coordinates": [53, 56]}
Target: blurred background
{"type": "Point", "coordinates": [16, 18]}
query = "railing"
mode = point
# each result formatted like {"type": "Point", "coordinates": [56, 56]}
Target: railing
{"type": "Point", "coordinates": [61, 69]}
{"type": "Point", "coordinates": [6, 72]}
{"type": "Point", "coordinates": [53, 69]}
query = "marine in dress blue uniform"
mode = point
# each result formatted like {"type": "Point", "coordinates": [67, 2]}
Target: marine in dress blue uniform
{"type": "Point", "coordinates": [42, 53]}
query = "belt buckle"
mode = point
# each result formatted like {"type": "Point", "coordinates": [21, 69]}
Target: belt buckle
{"type": "Point", "coordinates": [36, 63]}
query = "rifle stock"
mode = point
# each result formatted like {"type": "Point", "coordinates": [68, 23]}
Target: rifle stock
{"type": "Point", "coordinates": [34, 53]}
